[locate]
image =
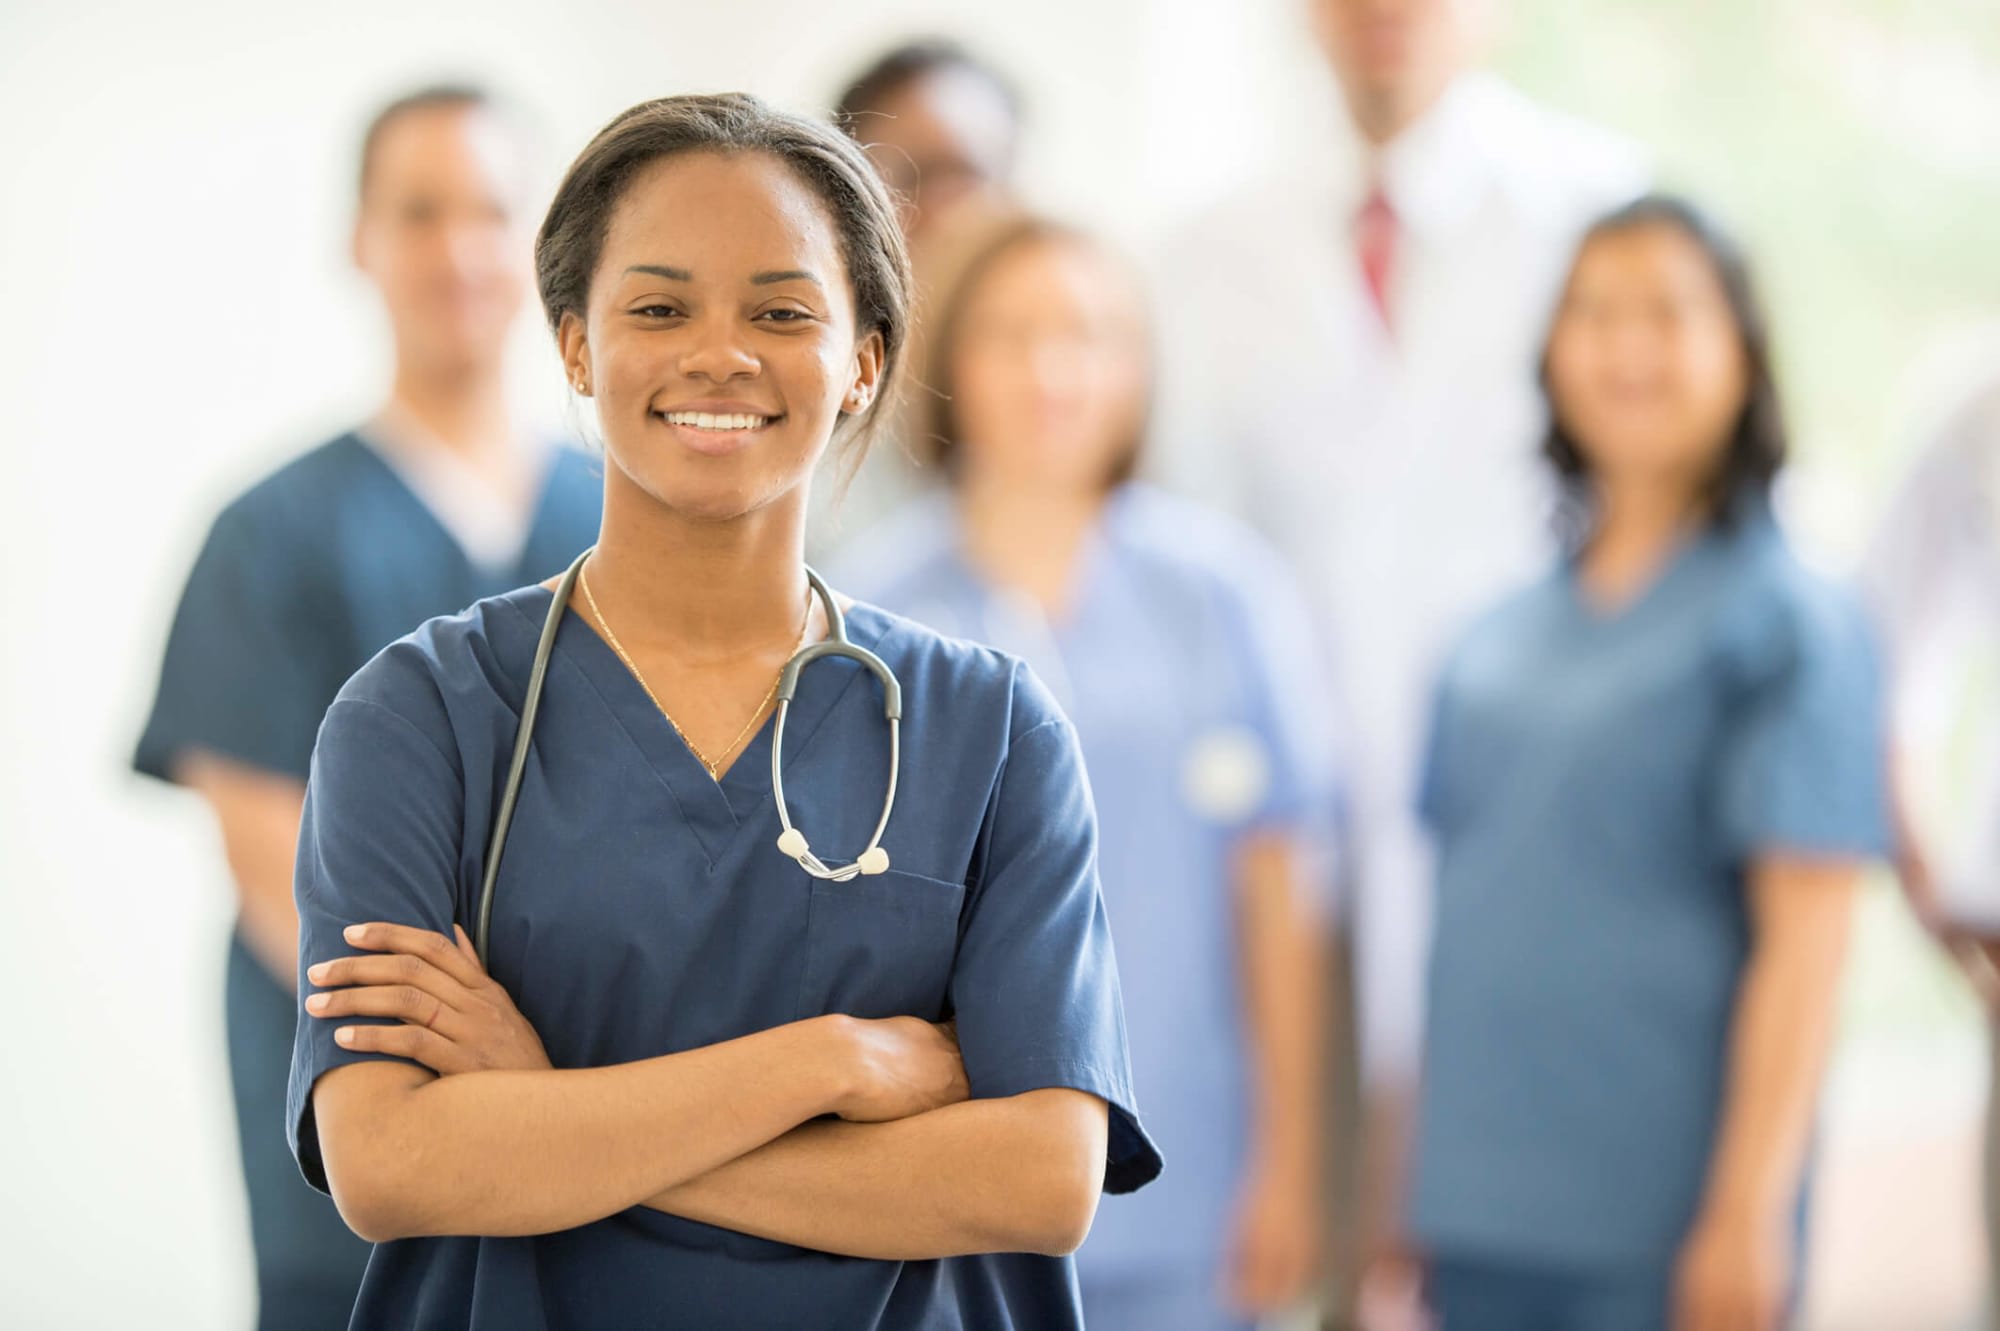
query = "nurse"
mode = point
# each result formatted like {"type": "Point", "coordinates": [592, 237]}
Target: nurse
{"type": "Point", "coordinates": [441, 497]}
{"type": "Point", "coordinates": [695, 1086]}
{"type": "Point", "coordinates": [1176, 642]}
{"type": "Point", "coordinates": [1654, 781]}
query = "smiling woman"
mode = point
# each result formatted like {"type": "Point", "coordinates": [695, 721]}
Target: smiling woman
{"type": "Point", "coordinates": [694, 1085]}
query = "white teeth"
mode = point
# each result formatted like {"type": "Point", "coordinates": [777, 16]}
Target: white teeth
{"type": "Point", "coordinates": [702, 420]}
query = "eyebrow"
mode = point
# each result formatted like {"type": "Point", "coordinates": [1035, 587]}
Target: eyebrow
{"type": "Point", "coordinates": [763, 279]}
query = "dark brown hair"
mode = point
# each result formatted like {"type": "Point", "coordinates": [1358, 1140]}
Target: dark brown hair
{"type": "Point", "coordinates": [903, 65]}
{"type": "Point", "coordinates": [435, 97]}
{"type": "Point", "coordinates": [982, 244]}
{"type": "Point", "coordinates": [1757, 441]}
{"type": "Point", "coordinates": [571, 239]}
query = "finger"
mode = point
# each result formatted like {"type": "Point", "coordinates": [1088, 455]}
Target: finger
{"type": "Point", "coordinates": [405, 1041]}
{"type": "Point", "coordinates": [439, 951]}
{"type": "Point", "coordinates": [1292, 1270]}
{"type": "Point", "coordinates": [390, 968]}
{"type": "Point", "coordinates": [466, 949]}
{"type": "Point", "coordinates": [400, 1001]}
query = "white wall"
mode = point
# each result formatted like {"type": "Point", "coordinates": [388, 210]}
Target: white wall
{"type": "Point", "coordinates": [176, 317]}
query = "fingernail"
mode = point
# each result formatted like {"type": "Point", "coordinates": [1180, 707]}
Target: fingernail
{"type": "Point", "coordinates": [344, 1035]}
{"type": "Point", "coordinates": [352, 933]}
{"type": "Point", "coordinates": [316, 1003]}
{"type": "Point", "coordinates": [316, 973]}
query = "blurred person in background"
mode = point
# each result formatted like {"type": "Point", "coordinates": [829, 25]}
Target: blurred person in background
{"type": "Point", "coordinates": [1382, 433]}
{"type": "Point", "coordinates": [1654, 781]}
{"type": "Point", "coordinates": [1933, 574]}
{"type": "Point", "coordinates": [1177, 643]}
{"type": "Point", "coordinates": [943, 127]}
{"type": "Point", "coordinates": [440, 498]}
{"type": "Point", "coordinates": [939, 123]}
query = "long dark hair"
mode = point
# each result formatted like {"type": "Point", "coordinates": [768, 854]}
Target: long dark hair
{"type": "Point", "coordinates": [1757, 441]}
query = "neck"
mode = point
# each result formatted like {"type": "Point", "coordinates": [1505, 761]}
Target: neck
{"type": "Point", "coordinates": [1025, 537]}
{"type": "Point", "coordinates": [1640, 520]}
{"type": "Point", "coordinates": [461, 407]}
{"type": "Point", "coordinates": [1381, 116]}
{"type": "Point", "coordinates": [702, 590]}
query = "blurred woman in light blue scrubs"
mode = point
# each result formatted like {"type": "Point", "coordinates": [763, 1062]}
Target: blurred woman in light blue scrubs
{"type": "Point", "coordinates": [1178, 646]}
{"type": "Point", "coordinates": [1654, 781]}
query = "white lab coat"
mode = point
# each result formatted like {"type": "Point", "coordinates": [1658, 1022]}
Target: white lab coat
{"type": "Point", "coordinates": [1399, 473]}
{"type": "Point", "coordinates": [1933, 578]}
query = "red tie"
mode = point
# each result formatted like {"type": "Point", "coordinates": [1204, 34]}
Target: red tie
{"type": "Point", "coordinates": [1375, 247]}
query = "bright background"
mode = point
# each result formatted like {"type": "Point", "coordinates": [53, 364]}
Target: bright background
{"type": "Point", "coordinates": [179, 317]}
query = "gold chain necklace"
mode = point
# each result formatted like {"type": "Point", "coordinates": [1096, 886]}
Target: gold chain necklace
{"type": "Point", "coordinates": [714, 767]}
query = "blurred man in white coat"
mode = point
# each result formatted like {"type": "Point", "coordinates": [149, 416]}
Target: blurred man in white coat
{"type": "Point", "coordinates": [1933, 574]}
{"type": "Point", "coordinates": [1349, 361]}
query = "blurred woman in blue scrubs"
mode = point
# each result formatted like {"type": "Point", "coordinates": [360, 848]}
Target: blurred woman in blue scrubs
{"type": "Point", "coordinates": [1176, 643]}
{"type": "Point", "coordinates": [441, 498]}
{"type": "Point", "coordinates": [1654, 782]}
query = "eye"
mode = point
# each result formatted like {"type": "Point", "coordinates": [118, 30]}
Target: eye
{"type": "Point", "coordinates": [656, 311]}
{"type": "Point", "coordinates": [784, 314]}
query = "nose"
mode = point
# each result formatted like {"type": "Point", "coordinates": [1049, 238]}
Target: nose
{"type": "Point", "coordinates": [715, 351]}
{"type": "Point", "coordinates": [468, 249]}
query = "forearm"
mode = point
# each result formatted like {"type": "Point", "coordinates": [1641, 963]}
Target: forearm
{"type": "Point", "coordinates": [269, 927]}
{"type": "Point", "coordinates": [257, 813]}
{"type": "Point", "coordinates": [529, 1152]}
{"type": "Point", "coordinates": [1284, 991]}
{"type": "Point", "coordinates": [1019, 1174]}
{"type": "Point", "coordinates": [1780, 1037]}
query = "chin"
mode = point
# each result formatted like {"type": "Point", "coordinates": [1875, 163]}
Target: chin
{"type": "Point", "coordinates": [720, 498]}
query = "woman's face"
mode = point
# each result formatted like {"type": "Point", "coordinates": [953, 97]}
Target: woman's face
{"type": "Point", "coordinates": [1647, 371]}
{"type": "Point", "coordinates": [719, 343]}
{"type": "Point", "coordinates": [1049, 368]}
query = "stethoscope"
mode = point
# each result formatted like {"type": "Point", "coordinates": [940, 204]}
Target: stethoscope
{"type": "Point", "coordinates": [791, 841]}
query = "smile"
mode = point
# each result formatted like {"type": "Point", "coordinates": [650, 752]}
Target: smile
{"type": "Point", "coordinates": [721, 424]}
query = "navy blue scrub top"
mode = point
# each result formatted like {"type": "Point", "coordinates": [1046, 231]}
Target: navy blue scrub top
{"type": "Point", "coordinates": [308, 574]}
{"type": "Point", "coordinates": [643, 909]}
{"type": "Point", "coordinates": [1598, 784]}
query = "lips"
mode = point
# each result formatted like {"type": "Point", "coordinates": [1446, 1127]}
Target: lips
{"type": "Point", "coordinates": [715, 433]}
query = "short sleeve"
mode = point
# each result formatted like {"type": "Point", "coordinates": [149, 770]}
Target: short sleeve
{"type": "Point", "coordinates": [1803, 756]}
{"type": "Point", "coordinates": [379, 840]}
{"type": "Point", "coordinates": [238, 678]}
{"type": "Point", "coordinates": [1035, 986]}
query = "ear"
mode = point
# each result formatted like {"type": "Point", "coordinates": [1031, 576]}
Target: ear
{"type": "Point", "coordinates": [869, 356]}
{"type": "Point", "coordinates": [574, 349]}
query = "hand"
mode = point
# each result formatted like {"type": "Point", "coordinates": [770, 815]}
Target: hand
{"type": "Point", "coordinates": [1275, 1246]}
{"type": "Point", "coordinates": [456, 1018]}
{"type": "Point", "coordinates": [1733, 1275]}
{"type": "Point", "coordinates": [1390, 1296]}
{"type": "Point", "coordinates": [902, 1066]}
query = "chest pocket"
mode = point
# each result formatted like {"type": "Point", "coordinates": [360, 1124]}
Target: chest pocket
{"type": "Point", "coordinates": [880, 946]}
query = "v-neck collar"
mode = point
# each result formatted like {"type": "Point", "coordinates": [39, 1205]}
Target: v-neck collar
{"type": "Point", "coordinates": [510, 572]}
{"type": "Point", "coordinates": [718, 813]}
{"type": "Point", "coordinates": [1086, 572]}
